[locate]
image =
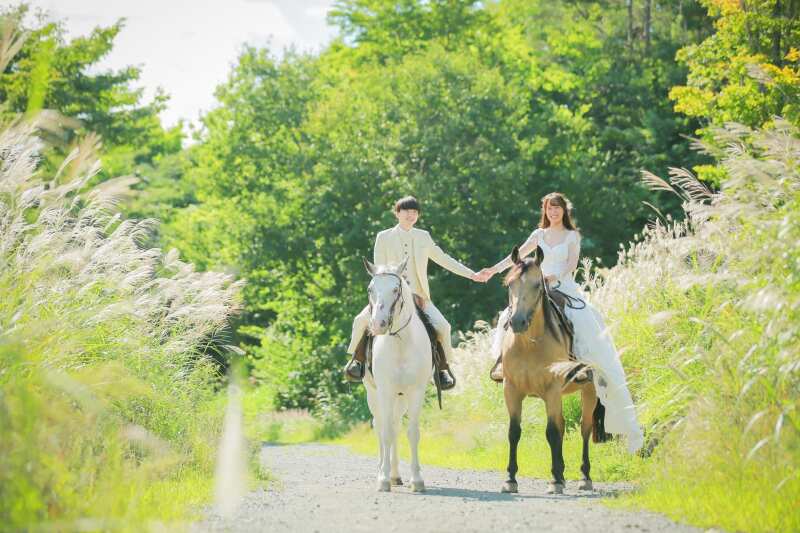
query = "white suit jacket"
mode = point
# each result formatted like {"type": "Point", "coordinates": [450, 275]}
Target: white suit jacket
{"type": "Point", "coordinates": [389, 250]}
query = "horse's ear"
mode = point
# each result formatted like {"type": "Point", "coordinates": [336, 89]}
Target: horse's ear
{"type": "Point", "coordinates": [369, 266]}
{"type": "Point", "coordinates": [515, 255]}
{"type": "Point", "coordinates": [539, 255]}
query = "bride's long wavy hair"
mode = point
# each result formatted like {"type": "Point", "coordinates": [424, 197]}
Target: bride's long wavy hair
{"type": "Point", "coordinates": [557, 198]}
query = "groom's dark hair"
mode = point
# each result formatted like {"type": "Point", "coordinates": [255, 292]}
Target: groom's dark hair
{"type": "Point", "coordinates": [407, 202]}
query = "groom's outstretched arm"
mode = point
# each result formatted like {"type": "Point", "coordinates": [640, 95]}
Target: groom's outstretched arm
{"type": "Point", "coordinates": [445, 261]}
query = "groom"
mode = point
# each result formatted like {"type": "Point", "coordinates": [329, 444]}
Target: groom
{"type": "Point", "coordinates": [393, 246]}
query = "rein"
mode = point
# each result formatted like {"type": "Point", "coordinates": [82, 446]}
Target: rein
{"type": "Point", "coordinates": [572, 301]}
{"type": "Point", "coordinates": [402, 301]}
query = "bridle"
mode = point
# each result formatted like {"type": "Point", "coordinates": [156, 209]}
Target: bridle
{"type": "Point", "coordinates": [542, 293]}
{"type": "Point", "coordinates": [571, 301]}
{"type": "Point", "coordinates": [400, 298]}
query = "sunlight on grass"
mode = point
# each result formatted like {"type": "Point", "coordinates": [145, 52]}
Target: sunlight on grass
{"type": "Point", "coordinates": [265, 425]}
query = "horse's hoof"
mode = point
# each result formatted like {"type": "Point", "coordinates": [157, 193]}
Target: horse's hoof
{"type": "Point", "coordinates": [555, 488]}
{"type": "Point", "coordinates": [510, 487]}
{"type": "Point", "coordinates": [397, 481]}
{"type": "Point", "coordinates": [384, 486]}
{"type": "Point", "coordinates": [585, 484]}
{"type": "Point", "coordinates": [418, 486]}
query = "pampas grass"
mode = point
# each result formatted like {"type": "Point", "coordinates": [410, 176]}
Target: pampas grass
{"type": "Point", "coordinates": [707, 312]}
{"type": "Point", "coordinates": [109, 417]}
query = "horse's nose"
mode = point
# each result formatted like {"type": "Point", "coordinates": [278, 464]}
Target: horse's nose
{"type": "Point", "coordinates": [383, 323]}
{"type": "Point", "coordinates": [520, 324]}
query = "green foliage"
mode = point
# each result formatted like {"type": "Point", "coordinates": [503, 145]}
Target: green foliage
{"type": "Point", "coordinates": [383, 30]}
{"type": "Point", "coordinates": [748, 71]}
{"type": "Point", "coordinates": [50, 72]}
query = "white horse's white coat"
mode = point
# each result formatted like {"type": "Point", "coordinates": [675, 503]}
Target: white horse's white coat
{"type": "Point", "coordinates": [401, 370]}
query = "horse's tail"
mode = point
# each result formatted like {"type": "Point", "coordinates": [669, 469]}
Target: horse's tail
{"type": "Point", "coordinates": [598, 423]}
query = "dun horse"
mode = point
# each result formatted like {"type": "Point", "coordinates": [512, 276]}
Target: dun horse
{"type": "Point", "coordinates": [536, 362]}
{"type": "Point", "coordinates": [400, 371]}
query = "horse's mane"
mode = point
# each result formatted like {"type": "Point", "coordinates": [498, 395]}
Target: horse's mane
{"type": "Point", "coordinates": [518, 270]}
{"type": "Point", "coordinates": [385, 269]}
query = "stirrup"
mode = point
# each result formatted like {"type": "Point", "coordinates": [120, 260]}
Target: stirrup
{"type": "Point", "coordinates": [444, 385]}
{"type": "Point", "coordinates": [351, 376]}
{"type": "Point", "coordinates": [583, 376]}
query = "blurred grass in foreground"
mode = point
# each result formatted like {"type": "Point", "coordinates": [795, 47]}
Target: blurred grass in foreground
{"type": "Point", "coordinates": [109, 415]}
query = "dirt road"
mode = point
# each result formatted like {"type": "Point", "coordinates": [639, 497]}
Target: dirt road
{"type": "Point", "coordinates": [326, 488]}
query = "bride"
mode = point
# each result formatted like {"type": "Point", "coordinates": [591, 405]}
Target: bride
{"type": "Point", "coordinates": [559, 239]}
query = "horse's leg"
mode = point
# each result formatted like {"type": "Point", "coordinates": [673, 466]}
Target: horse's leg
{"type": "Point", "coordinates": [555, 437]}
{"type": "Point", "coordinates": [399, 409]}
{"type": "Point", "coordinates": [588, 401]}
{"type": "Point", "coordinates": [513, 399]}
{"type": "Point", "coordinates": [372, 403]}
{"type": "Point", "coordinates": [415, 402]}
{"type": "Point", "coordinates": [386, 408]}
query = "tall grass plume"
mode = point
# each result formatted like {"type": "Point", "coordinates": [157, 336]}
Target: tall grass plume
{"type": "Point", "coordinates": [109, 417]}
{"type": "Point", "coordinates": [707, 311]}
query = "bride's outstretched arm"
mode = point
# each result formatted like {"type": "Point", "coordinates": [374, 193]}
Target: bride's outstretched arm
{"type": "Point", "coordinates": [527, 247]}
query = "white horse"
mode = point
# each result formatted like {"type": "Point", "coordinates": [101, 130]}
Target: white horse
{"type": "Point", "coordinates": [401, 370]}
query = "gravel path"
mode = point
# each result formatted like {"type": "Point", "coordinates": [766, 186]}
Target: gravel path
{"type": "Point", "coordinates": [327, 488]}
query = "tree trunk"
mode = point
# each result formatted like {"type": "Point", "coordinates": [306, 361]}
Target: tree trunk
{"type": "Point", "coordinates": [777, 50]}
{"type": "Point", "coordinates": [630, 21]}
{"type": "Point", "coordinates": [648, 4]}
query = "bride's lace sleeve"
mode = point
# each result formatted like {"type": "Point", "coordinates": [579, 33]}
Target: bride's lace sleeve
{"type": "Point", "coordinates": [574, 248]}
{"type": "Point", "coordinates": [527, 247]}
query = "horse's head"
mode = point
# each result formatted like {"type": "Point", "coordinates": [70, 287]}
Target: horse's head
{"type": "Point", "coordinates": [386, 295]}
{"type": "Point", "coordinates": [526, 289]}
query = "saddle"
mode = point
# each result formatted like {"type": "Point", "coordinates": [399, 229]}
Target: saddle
{"type": "Point", "coordinates": [558, 301]}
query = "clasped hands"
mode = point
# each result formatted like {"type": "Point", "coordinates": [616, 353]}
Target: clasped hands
{"type": "Point", "coordinates": [486, 274]}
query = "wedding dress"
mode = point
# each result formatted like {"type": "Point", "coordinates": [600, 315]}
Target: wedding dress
{"type": "Point", "coordinates": [592, 343]}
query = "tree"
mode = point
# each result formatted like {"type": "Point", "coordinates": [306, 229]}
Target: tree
{"type": "Point", "coordinates": [389, 29]}
{"type": "Point", "coordinates": [50, 72]}
{"type": "Point", "coordinates": [748, 71]}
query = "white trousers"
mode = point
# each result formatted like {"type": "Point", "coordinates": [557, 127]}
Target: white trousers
{"type": "Point", "coordinates": [439, 322]}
